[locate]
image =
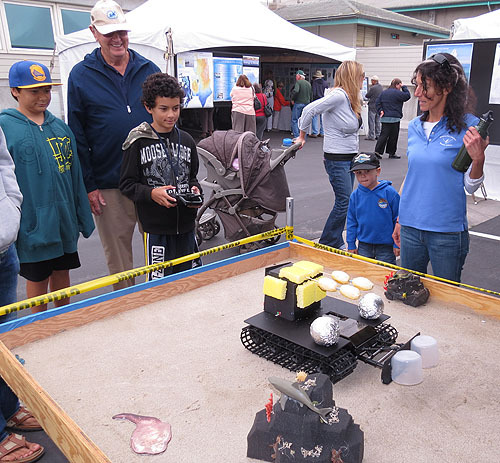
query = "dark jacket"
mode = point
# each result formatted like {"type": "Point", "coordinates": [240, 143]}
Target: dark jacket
{"type": "Point", "coordinates": [146, 166]}
{"type": "Point", "coordinates": [302, 92]}
{"type": "Point", "coordinates": [372, 95]}
{"type": "Point", "coordinates": [55, 209]}
{"type": "Point", "coordinates": [318, 88]}
{"type": "Point", "coordinates": [101, 114]}
{"type": "Point", "coordinates": [391, 101]}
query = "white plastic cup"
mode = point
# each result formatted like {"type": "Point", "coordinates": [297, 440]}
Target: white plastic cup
{"type": "Point", "coordinates": [407, 368]}
{"type": "Point", "coordinates": [427, 347]}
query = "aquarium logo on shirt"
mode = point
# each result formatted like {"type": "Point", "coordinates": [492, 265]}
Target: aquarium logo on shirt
{"type": "Point", "coordinates": [447, 141]}
{"type": "Point", "coordinates": [382, 203]}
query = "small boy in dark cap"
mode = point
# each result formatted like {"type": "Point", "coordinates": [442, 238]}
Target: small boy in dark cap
{"type": "Point", "coordinates": [372, 213]}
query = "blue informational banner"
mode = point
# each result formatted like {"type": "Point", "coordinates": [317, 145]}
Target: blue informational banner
{"type": "Point", "coordinates": [461, 51]}
{"type": "Point", "coordinates": [252, 74]}
{"type": "Point", "coordinates": [195, 74]}
{"type": "Point", "coordinates": [226, 73]}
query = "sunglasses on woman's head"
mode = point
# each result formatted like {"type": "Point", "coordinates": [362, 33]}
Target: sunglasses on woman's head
{"type": "Point", "coordinates": [441, 60]}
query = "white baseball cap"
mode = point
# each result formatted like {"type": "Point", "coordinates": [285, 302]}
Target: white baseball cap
{"type": "Point", "coordinates": [107, 16]}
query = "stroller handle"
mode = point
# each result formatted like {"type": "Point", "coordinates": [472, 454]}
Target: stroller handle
{"type": "Point", "coordinates": [285, 155]}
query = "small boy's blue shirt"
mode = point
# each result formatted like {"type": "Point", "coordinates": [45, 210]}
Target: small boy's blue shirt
{"type": "Point", "coordinates": [372, 214]}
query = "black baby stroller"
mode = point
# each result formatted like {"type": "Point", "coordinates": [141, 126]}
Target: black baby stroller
{"type": "Point", "coordinates": [247, 180]}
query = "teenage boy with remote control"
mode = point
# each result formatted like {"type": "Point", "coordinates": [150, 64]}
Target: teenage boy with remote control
{"type": "Point", "coordinates": [158, 173]}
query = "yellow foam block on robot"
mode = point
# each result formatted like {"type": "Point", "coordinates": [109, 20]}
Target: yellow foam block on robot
{"type": "Point", "coordinates": [308, 293]}
{"type": "Point", "coordinates": [295, 274]}
{"type": "Point", "coordinates": [311, 266]}
{"type": "Point", "coordinates": [274, 287]}
{"type": "Point", "coordinates": [320, 294]}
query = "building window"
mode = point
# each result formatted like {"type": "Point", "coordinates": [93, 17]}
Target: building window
{"type": "Point", "coordinates": [366, 36]}
{"type": "Point", "coordinates": [29, 26]}
{"type": "Point", "coordinates": [74, 20]}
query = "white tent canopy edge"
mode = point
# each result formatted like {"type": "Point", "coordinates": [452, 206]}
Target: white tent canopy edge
{"type": "Point", "coordinates": [198, 25]}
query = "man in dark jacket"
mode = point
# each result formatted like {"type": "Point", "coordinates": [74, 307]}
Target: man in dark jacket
{"type": "Point", "coordinates": [373, 116]}
{"type": "Point", "coordinates": [390, 107]}
{"type": "Point", "coordinates": [319, 85]}
{"type": "Point", "coordinates": [104, 104]}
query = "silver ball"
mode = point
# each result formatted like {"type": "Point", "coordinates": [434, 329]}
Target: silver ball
{"type": "Point", "coordinates": [325, 330]}
{"type": "Point", "coordinates": [371, 306]}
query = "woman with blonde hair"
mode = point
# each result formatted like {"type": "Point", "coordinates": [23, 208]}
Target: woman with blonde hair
{"type": "Point", "coordinates": [243, 112]}
{"type": "Point", "coordinates": [341, 110]}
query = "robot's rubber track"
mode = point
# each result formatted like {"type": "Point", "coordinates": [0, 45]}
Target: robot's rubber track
{"type": "Point", "coordinates": [297, 358]}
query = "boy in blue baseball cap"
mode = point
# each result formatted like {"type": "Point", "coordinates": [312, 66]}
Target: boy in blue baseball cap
{"type": "Point", "coordinates": [372, 213]}
{"type": "Point", "coordinates": [55, 209]}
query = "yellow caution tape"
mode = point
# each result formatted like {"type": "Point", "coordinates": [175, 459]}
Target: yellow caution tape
{"type": "Point", "coordinates": [385, 264]}
{"type": "Point", "coordinates": [129, 274]}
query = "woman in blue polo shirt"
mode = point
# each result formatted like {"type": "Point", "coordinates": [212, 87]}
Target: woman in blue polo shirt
{"type": "Point", "coordinates": [432, 212]}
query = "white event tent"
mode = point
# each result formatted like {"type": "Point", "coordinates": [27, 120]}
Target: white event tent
{"type": "Point", "coordinates": [484, 26]}
{"type": "Point", "coordinates": [195, 25]}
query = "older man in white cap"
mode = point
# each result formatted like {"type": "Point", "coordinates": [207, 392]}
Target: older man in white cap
{"type": "Point", "coordinates": [104, 104]}
{"type": "Point", "coordinates": [374, 126]}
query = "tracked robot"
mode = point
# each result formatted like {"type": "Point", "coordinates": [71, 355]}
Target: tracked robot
{"type": "Point", "coordinates": [281, 332]}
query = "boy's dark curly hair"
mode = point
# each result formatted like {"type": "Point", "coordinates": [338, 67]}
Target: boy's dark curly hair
{"type": "Point", "coordinates": [448, 76]}
{"type": "Point", "coordinates": [160, 84]}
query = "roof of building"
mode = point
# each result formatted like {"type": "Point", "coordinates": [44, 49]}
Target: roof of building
{"type": "Point", "coordinates": [325, 10]}
{"type": "Point", "coordinates": [427, 4]}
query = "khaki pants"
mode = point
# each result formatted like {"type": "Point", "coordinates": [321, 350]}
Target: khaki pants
{"type": "Point", "coordinates": [116, 227]}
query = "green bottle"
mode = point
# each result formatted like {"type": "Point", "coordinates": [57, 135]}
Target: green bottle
{"type": "Point", "coordinates": [462, 160]}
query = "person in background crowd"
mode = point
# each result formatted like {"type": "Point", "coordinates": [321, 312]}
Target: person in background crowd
{"type": "Point", "coordinates": [55, 209]}
{"type": "Point", "coordinates": [432, 212]}
{"type": "Point", "coordinates": [104, 104]}
{"type": "Point", "coordinates": [301, 96]}
{"type": "Point", "coordinates": [319, 85]}
{"type": "Point", "coordinates": [260, 117]}
{"type": "Point", "coordinates": [341, 109]}
{"type": "Point", "coordinates": [279, 102]}
{"type": "Point", "coordinates": [13, 417]}
{"type": "Point", "coordinates": [243, 112]}
{"type": "Point", "coordinates": [371, 96]}
{"type": "Point", "coordinates": [268, 90]}
{"type": "Point", "coordinates": [390, 107]}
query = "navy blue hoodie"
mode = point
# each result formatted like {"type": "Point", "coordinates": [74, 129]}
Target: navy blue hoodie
{"type": "Point", "coordinates": [101, 113]}
{"type": "Point", "coordinates": [391, 101]}
{"type": "Point", "coordinates": [372, 214]}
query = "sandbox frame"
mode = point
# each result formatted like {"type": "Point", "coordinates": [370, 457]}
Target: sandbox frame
{"type": "Point", "coordinates": [66, 434]}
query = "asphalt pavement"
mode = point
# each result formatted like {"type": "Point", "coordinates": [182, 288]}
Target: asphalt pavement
{"type": "Point", "coordinates": [313, 200]}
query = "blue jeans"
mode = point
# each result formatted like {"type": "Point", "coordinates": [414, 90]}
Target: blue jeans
{"type": "Point", "coordinates": [9, 405]}
{"type": "Point", "coordinates": [445, 251]}
{"type": "Point", "coordinates": [296, 113]}
{"type": "Point", "coordinates": [382, 252]}
{"type": "Point", "coordinates": [317, 119]}
{"type": "Point", "coordinates": [342, 181]}
{"type": "Point", "coordinates": [9, 269]}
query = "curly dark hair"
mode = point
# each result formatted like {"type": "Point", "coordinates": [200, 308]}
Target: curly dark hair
{"type": "Point", "coordinates": [450, 76]}
{"type": "Point", "coordinates": [160, 84]}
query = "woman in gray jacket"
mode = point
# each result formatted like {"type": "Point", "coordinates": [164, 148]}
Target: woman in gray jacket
{"type": "Point", "coordinates": [341, 110]}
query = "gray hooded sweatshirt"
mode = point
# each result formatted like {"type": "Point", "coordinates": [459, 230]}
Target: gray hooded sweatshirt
{"type": "Point", "coordinates": [10, 198]}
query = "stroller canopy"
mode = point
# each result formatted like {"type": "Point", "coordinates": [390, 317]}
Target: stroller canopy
{"type": "Point", "coordinates": [259, 181]}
